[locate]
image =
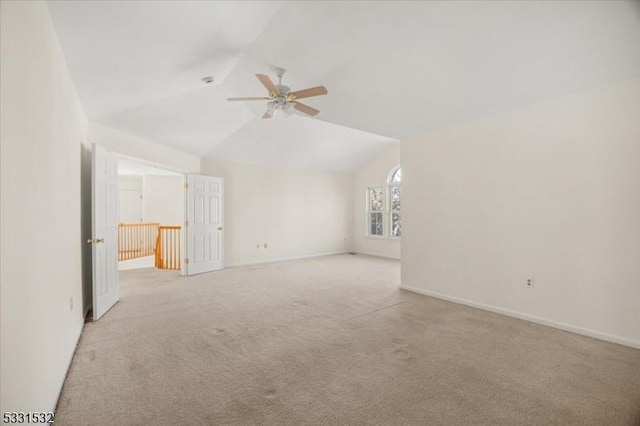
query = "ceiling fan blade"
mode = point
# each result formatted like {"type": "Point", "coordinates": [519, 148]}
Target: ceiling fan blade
{"type": "Point", "coordinates": [268, 114]}
{"type": "Point", "coordinates": [248, 99]}
{"type": "Point", "coordinates": [307, 93]}
{"type": "Point", "coordinates": [266, 82]}
{"type": "Point", "coordinates": [305, 108]}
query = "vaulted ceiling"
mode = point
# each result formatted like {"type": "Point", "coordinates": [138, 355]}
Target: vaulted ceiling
{"type": "Point", "coordinates": [393, 69]}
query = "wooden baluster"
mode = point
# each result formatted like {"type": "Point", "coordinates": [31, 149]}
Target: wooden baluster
{"type": "Point", "coordinates": [163, 244]}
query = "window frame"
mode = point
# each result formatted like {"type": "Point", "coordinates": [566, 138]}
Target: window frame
{"type": "Point", "coordinates": [369, 212]}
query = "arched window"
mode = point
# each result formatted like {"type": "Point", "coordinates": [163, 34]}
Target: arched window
{"type": "Point", "coordinates": [395, 195]}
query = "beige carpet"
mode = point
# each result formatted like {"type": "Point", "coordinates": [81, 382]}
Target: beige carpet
{"type": "Point", "coordinates": [333, 341]}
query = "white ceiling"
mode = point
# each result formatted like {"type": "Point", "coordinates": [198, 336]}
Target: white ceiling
{"type": "Point", "coordinates": [126, 53]}
{"type": "Point", "coordinates": [300, 142]}
{"type": "Point", "coordinates": [394, 69]}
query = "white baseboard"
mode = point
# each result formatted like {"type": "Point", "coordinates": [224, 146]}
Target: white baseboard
{"type": "Point", "coordinates": [286, 259]}
{"type": "Point", "coordinates": [549, 323]}
{"type": "Point", "coordinates": [376, 255]}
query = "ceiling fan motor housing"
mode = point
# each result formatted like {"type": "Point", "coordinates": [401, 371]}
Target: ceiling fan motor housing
{"type": "Point", "coordinates": [283, 89]}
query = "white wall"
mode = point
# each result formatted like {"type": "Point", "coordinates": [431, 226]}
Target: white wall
{"type": "Point", "coordinates": [130, 193]}
{"type": "Point", "coordinates": [163, 199]}
{"type": "Point", "coordinates": [42, 125]}
{"type": "Point", "coordinates": [133, 183]}
{"type": "Point", "coordinates": [141, 149]}
{"type": "Point", "coordinates": [552, 192]}
{"type": "Point", "coordinates": [296, 213]}
{"type": "Point", "coordinates": [375, 173]}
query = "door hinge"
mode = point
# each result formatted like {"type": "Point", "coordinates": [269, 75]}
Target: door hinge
{"type": "Point", "coordinates": [186, 223]}
{"type": "Point", "coordinates": [186, 185]}
{"type": "Point", "coordinates": [186, 261]}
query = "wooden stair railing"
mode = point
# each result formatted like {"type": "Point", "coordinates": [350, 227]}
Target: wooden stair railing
{"type": "Point", "coordinates": [136, 240]}
{"type": "Point", "coordinates": [168, 248]}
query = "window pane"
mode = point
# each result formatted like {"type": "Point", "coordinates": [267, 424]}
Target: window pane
{"type": "Point", "coordinates": [375, 223]}
{"type": "Point", "coordinates": [395, 198]}
{"type": "Point", "coordinates": [396, 225]}
{"type": "Point", "coordinates": [375, 199]}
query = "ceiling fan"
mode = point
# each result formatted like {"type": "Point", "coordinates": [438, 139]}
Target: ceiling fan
{"type": "Point", "coordinates": [281, 98]}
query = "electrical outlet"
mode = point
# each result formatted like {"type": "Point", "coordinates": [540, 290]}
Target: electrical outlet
{"type": "Point", "coordinates": [265, 245]}
{"type": "Point", "coordinates": [529, 283]}
{"type": "Point", "coordinates": [71, 303]}
{"type": "Point", "coordinates": [257, 246]}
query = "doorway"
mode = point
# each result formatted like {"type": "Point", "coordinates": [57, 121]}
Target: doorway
{"type": "Point", "coordinates": [151, 216]}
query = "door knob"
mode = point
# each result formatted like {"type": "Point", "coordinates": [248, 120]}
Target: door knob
{"type": "Point", "coordinates": [95, 240]}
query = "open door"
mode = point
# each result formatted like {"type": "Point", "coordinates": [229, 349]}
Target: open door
{"type": "Point", "coordinates": [104, 228]}
{"type": "Point", "coordinates": [204, 233]}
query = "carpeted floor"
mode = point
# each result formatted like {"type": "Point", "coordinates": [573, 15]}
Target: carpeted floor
{"type": "Point", "coordinates": [332, 340]}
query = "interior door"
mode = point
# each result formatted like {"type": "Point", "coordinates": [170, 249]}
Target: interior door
{"type": "Point", "coordinates": [104, 228]}
{"type": "Point", "coordinates": [204, 227]}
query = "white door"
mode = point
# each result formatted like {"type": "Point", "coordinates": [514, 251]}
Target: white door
{"type": "Point", "coordinates": [104, 228]}
{"type": "Point", "coordinates": [204, 233]}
